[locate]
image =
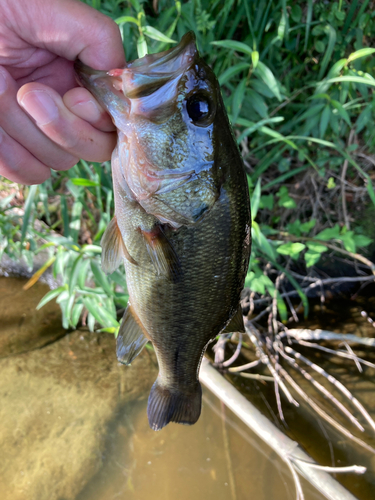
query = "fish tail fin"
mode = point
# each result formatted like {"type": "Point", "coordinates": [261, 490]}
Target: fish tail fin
{"type": "Point", "coordinates": [166, 406]}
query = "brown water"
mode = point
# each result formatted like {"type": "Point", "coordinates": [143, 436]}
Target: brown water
{"type": "Point", "coordinates": [74, 427]}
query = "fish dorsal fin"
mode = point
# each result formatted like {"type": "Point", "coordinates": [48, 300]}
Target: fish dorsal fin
{"type": "Point", "coordinates": [131, 338]}
{"type": "Point", "coordinates": [162, 254]}
{"type": "Point", "coordinates": [236, 323]}
{"type": "Point", "coordinates": [113, 248]}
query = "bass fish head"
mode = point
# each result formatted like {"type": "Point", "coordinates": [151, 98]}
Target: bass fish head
{"type": "Point", "coordinates": [166, 107]}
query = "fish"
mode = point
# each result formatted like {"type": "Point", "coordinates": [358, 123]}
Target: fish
{"type": "Point", "coordinates": [182, 217]}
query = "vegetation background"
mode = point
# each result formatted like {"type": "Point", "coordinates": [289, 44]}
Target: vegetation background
{"type": "Point", "coordinates": [298, 82]}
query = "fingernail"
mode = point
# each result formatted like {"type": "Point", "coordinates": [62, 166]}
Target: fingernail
{"type": "Point", "coordinates": [3, 83]}
{"type": "Point", "coordinates": [40, 106]}
{"type": "Point", "coordinates": [88, 110]}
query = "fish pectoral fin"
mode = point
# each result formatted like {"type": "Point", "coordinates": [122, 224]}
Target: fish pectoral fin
{"type": "Point", "coordinates": [131, 338]}
{"type": "Point", "coordinates": [236, 323]}
{"type": "Point", "coordinates": [113, 248]}
{"type": "Point", "coordinates": [162, 254]}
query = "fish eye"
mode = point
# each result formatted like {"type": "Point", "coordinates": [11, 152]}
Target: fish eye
{"type": "Point", "coordinates": [198, 108]}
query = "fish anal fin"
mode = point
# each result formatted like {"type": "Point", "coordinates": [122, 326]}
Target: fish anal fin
{"type": "Point", "coordinates": [131, 337]}
{"type": "Point", "coordinates": [166, 405]}
{"type": "Point", "coordinates": [236, 323]}
{"type": "Point", "coordinates": [162, 253]}
{"type": "Point", "coordinates": [113, 248]}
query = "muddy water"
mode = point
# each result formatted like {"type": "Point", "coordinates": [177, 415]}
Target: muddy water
{"type": "Point", "coordinates": [74, 427]}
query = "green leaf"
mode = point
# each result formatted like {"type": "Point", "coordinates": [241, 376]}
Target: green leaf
{"type": "Point", "coordinates": [329, 234]}
{"type": "Point", "coordinates": [284, 199]}
{"type": "Point", "coordinates": [27, 214]}
{"type": "Point", "coordinates": [342, 111]}
{"type": "Point", "coordinates": [233, 45]}
{"type": "Point", "coordinates": [363, 119]}
{"type": "Point", "coordinates": [361, 240]}
{"type": "Point", "coordinates": [156, 35]}
{"type": "Point", "coordinates": [119, 279]}
{"type": "Point", "coordinates": [257, 282]}
{"type": "Point", "coordinates": [101, 279]}
{"type": "Point", "coordinates": [306, 226]}
{"type": "Point", "coordinates": [324, 120]}
{"type": "Point", "coordinates": [91, 248]}
{"type": "Point", "coordinates": [110, 329]}
{"type": "Point", "coordinates": [311, 257]}
{"type": "Point", "coordinates": [281, 27]}
{"type": "Point", "coordinates": [265, 74]}
{"type": "Point", "coordinates": [142, 48]}
{"type": "Point", "coordinates": [360, 53]}
{"type": "Point", "coordinates": [65, 215]}
{"type": "Point", "coordinates": [232, 71]}
{"type": "Point", "coordinates": [266, 201]}
{"type": "Point", "coordinates": [75, 222]}
{"type": "Point", "coordinates": [258, 125]}
{"type": "Point", "coordinates": [5, 201]}
{"type": "Point", "coordinates": [320, 46]}
{"type": "Point", "coordinates": [237, 100]}
{"type": "Point", "coordinates": [261, 241]}
{"type": "Point", "coordinates": [97, 310]}
{"type": "Point", "coordinates": [74, 273]}
{"type": "Point", "coordinates": [82, 275]}
{"type": "Point", "coordinates": [308, 22]}
{"type": "Point", "coordinates": [259, 104]}
{"type": "Point", "coordinates": [50, 296]}
{"type": "Point", "coordinates": [281, 307]}
{"type": "Point", "coordinates": [316, 247]}
{"type": "Point", "coordinates": [84, 182]}
{"type": "Point", "coordinates": [291, 249]}
{"type": "Point", "coordinates": [255, 198]}
{"type": "Point", "coordinates": [340, 15]}
{"type": "Point", "coordinates": [353, 79]}
{"type": "Point", "coordinates": [296, 13]}
{"type": "Point", "coordinates": [127, 19]}
{"type": "Point", "coordinates": [330, 48]}
{"type": "Point", "coordinates": [76, 314]}
{"type": "Point", "coordinates": [348, 240]}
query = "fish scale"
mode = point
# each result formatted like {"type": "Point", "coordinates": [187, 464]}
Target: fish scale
{"type": "Point", "coordinates": [185, 251]}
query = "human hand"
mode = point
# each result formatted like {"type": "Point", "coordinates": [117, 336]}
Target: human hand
{"type": "Point", "coordinates": [46, 120]}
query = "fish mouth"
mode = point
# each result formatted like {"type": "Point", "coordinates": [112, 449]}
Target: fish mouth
{"type": "Point", "coordinates": [103, 87]}
{"type": "Point", "coordinates": [138, 78]}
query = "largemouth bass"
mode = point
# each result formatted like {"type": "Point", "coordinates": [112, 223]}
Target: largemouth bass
{"type": "Point", "coordinates": [182, 217]}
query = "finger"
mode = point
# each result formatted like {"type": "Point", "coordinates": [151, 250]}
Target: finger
{"type": "Point", "coordinates": [18, 165]}
{"type": "Point", "coordinates": [58, 74]}
{"type": "Point", "coordinates": [23, 130]}
{"type": "Point", "coordinates": [70, 29]}
{"type": "Point", "coordinates": [80, 102]}
{"type": "Point", "coordinates": [63, 127]}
